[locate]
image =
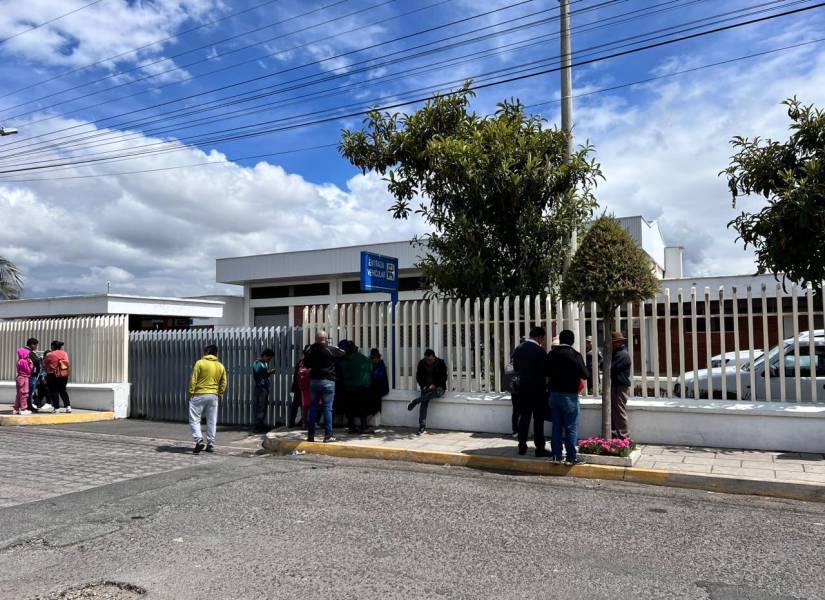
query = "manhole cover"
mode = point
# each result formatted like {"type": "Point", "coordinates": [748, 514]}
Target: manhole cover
{"type": "Point", "coordinates": [101, 590]}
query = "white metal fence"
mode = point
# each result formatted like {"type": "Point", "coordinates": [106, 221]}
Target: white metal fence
{"type": "Point", "coordinates": [97, 346]}
{"type": "Point", "coordinates": [161, 366]}
{"type": "Point", "coordinates": [673, 338]}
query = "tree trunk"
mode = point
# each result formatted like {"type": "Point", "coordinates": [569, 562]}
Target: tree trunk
{"type": "Point", "coordinates": [607, 356]}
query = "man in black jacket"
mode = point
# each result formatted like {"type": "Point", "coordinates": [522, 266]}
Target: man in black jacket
{"type": "Point", "coordinates": [530, 363]}
{"type": "Point", "coordinates": [431, 376]}
{"type": "Point", "coordinates": [567, 370]}
{"type": "Point", "coordinates": [619, 386]}
{"type": "Point", "coordinates": [320, 360]}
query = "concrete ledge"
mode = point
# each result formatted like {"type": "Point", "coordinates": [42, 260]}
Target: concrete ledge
{"type": "Point", "coordinates": [56, 418]}
{"type": "Point", "coordinates": [104, 397]}
{"type": "Point", "coordinates": [711, 483]}
{"type": "Point", "coordinates": [713, 423]}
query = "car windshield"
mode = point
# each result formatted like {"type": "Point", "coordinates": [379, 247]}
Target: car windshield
{"type": "Point", "coordinates": [758, 363]}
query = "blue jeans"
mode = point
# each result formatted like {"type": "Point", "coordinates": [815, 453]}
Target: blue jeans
{"type": "Point", "coordinates": [564, 409]}
{"type": "Point", "coordinates": [321, 389]}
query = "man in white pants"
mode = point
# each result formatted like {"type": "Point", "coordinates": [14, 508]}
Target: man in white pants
{"type": "Point", "coordinates": [207, 385]}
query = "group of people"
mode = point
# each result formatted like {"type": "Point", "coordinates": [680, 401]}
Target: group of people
{"type": "Point", "coordinates": [325, 377]}
{"type": "Point", "coordinates": [329, 376]}
{"type": "Point", "coordinates": [546, 385]}
{"type": "Point", "coordinates": [42, 379]}
{"type": "Point", "coordinates": [543, 385]}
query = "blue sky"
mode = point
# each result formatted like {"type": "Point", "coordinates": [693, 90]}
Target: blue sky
{"type": "Point", "coordinates": [661, 144]}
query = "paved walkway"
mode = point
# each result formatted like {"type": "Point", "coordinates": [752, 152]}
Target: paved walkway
{"type": "Point", "coordinates": [741, 464]}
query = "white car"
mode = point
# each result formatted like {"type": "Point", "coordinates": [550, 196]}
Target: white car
{"type": "Point", "coordinates": [779, 357]}
{"type": "Point", "coordinates": [729, 359]}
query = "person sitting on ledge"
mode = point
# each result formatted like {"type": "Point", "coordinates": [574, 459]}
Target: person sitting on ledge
{"type": "Point", "coordinates": [431, 376]}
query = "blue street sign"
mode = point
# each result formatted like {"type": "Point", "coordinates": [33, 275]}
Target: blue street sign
{"type": "Point", "coordinates": [378, 273]}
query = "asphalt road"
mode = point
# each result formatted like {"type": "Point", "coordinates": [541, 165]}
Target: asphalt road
{"type": "Point", "coordinates": [230, 526]}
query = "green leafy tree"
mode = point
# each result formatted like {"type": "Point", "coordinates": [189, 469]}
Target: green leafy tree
{"type": "Point", "coordinates": [788, 234]}
{"type": "Point", "coordinates": [496, 191]}
{"type": "Point", "coordinates": [11, 280]}
{"type": "Point", "coordinates": [611, 270]}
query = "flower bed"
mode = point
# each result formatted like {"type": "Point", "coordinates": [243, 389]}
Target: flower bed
{"type": "Point", "coordinates": [602, 447]}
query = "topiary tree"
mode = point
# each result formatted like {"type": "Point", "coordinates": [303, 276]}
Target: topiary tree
{"type": "Point", "coordinates": [11, 280]}
{"type": "Point", "coordinates": [497, 191]}
{"type": "Point", "coordinates": [788, 234]}
{"type": "Point", "coordinates": [609, 269]}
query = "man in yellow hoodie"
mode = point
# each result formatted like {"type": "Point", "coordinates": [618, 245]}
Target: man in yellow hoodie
{"type": "Point", "coordinates": [207, 385]}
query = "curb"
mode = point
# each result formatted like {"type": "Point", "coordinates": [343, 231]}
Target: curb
{"type": "Point", "coordinates": [56, 419]}
{"type": "Point", "coordinates": [710, 483]}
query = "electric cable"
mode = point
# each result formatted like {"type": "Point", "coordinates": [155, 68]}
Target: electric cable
{"type": "Point", "coordinates": [116, 137]}
{"type": "Point", "coordinates": [324, 146]}
{"type": "Point", "coordinates": [138, 49]}
{"type": "Point", "coordinates": [50, 21]}
{"type": "Point", "coordinates": [316, 62]}
{"type": "Point", "coordinates": [268, 131]}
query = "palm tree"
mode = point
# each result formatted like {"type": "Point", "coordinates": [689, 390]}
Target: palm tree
{"type": "Point", "coordinates": [11, 280]}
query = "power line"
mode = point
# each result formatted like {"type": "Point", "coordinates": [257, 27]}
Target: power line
{"type": "Point", "coordinates": [139, 48]}
{"type": "Point", "coordinates": [620, 86]}
{"type": "Point", "coordinates": [320, 61]}
{"type": "Point", "coordinates": [324, 146]}
{"type": "Point", "coordinates": [159, 169]}
{"type": "Point", "coordinates": [192, 50]}
{"type": "Point", "coordinates": [44, 23]}
{"type": "Point", "coordinates": [263, 132]}
{"type": "Point", "coordinates": [115, 137]}
{"type": "Point", "coordinates": [100, 120]}
{"type": "Point", "coordinates": [323, 77]}
{"type": "Point", "coordinates": [535, 64]}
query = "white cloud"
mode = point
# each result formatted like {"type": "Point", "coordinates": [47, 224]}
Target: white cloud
{"type": "Point", "coordinates": [97, 32]}
{"type": "Point", "coordinates": [160, 233]}
{"type": "Point", "coordinates": [662, 149]}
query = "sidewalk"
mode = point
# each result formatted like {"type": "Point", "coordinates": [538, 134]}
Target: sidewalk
{"type": "Point", "coordinates": [777, 474]}
{"type": "Point", "coordinates": [51, 418]}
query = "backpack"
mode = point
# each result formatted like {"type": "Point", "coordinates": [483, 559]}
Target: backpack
{"type": "Point", "coordinates": [511, 377]}
{"type": "Point", "coordinates": [62, 368]}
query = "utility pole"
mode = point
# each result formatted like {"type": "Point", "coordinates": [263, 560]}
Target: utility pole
{"type": "Point", "coordinates": [571, 313]}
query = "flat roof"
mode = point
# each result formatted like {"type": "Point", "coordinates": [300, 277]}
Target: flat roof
{"type": "Point", "coordinates": [110, 304]}
{"type": "Point", "coordinates": [310, 263]}
{"type": "Point", "coordinates": [346, 260]}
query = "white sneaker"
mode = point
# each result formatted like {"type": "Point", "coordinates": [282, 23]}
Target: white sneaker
{"type": "Point", "coordinates": [15, 412]}
{"type": "Point", "coordinates": [48, 408]}
{"type": "Point", "coordinates": [25, 413]}
{"type": "Point", "coordinates": [68, 409]}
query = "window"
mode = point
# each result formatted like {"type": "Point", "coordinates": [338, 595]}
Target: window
{"type": "Point", "coordinates": [311, 289]}
{"type": "Point", "coordinates": [351, 287]}
{"type": "Point", "coordinates": [270, 291]}
{"type": "Point", "coordinates": [410, 284]}
{"type": "Point", "coordinates": [805, 362]}
{"type": "Point", "coordinates": [288, 291]}
{"type": "Point", "coordinates": [405, 284]}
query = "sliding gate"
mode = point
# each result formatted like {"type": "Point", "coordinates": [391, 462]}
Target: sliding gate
{"type": "Point", "coordinates": [160, 365]}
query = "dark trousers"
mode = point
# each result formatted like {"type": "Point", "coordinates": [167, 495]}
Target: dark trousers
{"type": "Point", "coordinates": [357, 400]}
{"type": "Point", "coordinates": [619, 395]}
{"type": "Point", "coordinates": [261, 404]}
{"type": "Point", "coordinates": [423, 403]}
{"type": "Point", "coordinates": [515, 417]}
{"type": "Point", "coordinates": [534, 407]}
{"type": "Point", "coordinates": [57, 391]}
